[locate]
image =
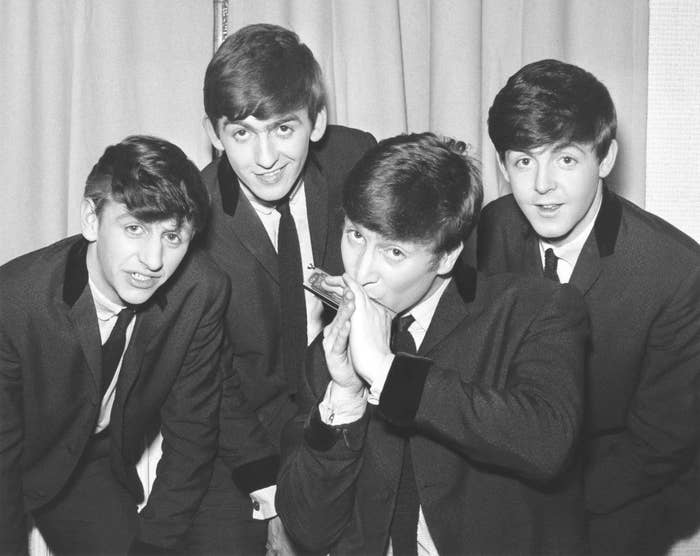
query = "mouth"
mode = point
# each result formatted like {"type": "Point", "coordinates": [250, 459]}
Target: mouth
{"type": "Point", "coordinates": [548, 209]}
{"type": "Point", "coordinates": [272, 177]}
{"type": "Point", "coordinates": [142, 280]}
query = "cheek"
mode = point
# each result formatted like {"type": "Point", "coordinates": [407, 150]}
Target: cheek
{"type": "Point", "coordinates": [349, 257]}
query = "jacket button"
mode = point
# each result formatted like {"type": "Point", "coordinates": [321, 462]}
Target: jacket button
{"type": "Point", "coordinates": [256, 506]}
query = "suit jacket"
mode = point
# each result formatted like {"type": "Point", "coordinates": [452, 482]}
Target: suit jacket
{"type": "Point", "coordinates": [641, 282]}
{"type": "Point", "coordinates": [50, 376]}
{"type": "Point", "coordinates": [238, 242]}
{"type": "Point", "coordinates": [491, 405]}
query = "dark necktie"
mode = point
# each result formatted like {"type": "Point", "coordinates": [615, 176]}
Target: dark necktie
{"type": "Point", "coordinates": [550, 265]}
{"type": "Point", "coordinates": [292, 301]}
{"type": "Point", "coordinates": [404, 525]}
{"type": "Point", "coordinates": [113, 348]}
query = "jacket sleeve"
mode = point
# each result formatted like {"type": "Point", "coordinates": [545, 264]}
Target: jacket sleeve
{"type": "Point", "coordinates": [13, 537]}
{"type": "Point", "coordinates": [189, 424]}
{"type": "Point", "coordinates": [320, 465]}
{"type": "Point", "coordinates": [662, 434]}
{"type": "Point", "coordinates": [528, 425]}
{"type": "Point", "coordinates": [243, 442]}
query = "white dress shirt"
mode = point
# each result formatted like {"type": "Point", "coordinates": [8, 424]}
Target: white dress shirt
{"type": "Point", "coordinates": [568, 251]}
{"type": "Point", "coordinates": [107, 312]}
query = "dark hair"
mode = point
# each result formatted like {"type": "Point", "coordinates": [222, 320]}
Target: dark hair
{"type": "Point", "coordinates": [552, 103]}
{"type": "Point", "coordinates": [416, 187]}
{"type": "Point", "coordinates": [262, 70]}
{"type": "Point", "coordinates": [153, 178]}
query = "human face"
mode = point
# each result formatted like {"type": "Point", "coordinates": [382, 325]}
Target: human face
{"type": "Point", "coordinates": [396, 274]}
{"type": "Point", "coordinates": [268, 155]}
{"type": "Point", "coordinates": [558, 187]}
{"type": "Point", "coordinates": [128, 259]}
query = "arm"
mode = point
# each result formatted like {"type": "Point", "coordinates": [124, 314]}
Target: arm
{"type": "Point", "coordinates": [13, 538]}
{"type": "Point", "coordinates": [321, 462]}
{"type": "Point", "coordinates": [526, 423]}
{"type": "Point", "coordinates": [189, 424]}
{"type": "Point", "coordinates": [663, 422]}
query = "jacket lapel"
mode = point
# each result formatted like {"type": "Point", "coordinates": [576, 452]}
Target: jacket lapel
{"type": "Point", "coordinates": [240, 219]}
{"type": "Point", "coordinates": [81, 310]}
{"type": "Point", "coordinates": [531, 260]}
{"type": "Point", "coordinates": [600, 243]}
{"type": "Point", "coordinates": [148, 323]}
{"type": "Point", "coordinates": [316, 208]}
{"type": "Point", "coordinates": [451, 310]}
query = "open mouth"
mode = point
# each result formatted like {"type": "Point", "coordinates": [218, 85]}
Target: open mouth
{"type": "Point", "coordinates": [271, 177]}
{"type": "Point", "coordinates": [549, 208]}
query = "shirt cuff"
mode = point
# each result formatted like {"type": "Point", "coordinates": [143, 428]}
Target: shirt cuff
{"type": "Point", "coordinates": [264, 502]}
{"type": "Point", "coordinates": [375, 392]}
{"type": "Point", "coordinates": [339, 408]}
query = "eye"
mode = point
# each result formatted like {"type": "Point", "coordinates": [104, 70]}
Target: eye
{"type": "Point", "coordinates": [240, 134]}
{"type": "Point", "coordinates": [173, 238]}
{"type": "Point", "coordinates": [395, 254]}
{"type": "Point", "coordinates": [134, 229]}
{"type": "Point", "coordinates": [567, 160]}
{"type": "Point", "coordinates": [285, 130]}
{"type": "Point", "coordinates": [354, 235]}
{"type": "Point", "coordinates": [523, 162]}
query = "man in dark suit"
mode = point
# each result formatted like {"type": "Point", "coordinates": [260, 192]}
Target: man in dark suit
{"type": "Point", "coordinates": [74, 415]}
{"type": "Point", "coordinates": [275, 197]}
{"type": "Point", "coordinates": [553, 126]}
{"type": "Point", "coordinates": [466, 447]}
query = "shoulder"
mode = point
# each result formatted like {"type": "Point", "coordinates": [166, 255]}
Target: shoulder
{"type": "Point", "coordinates": [31, 272]}
{"type": "Point", "coordinates": [341, 145]}
{"type": "Point", "coordinates": [199, 277]}
{"type": "Point", "coordinates": [209, 173]}
{"type": "Point", "coordinates": [504, 208]}
{"type": "Point", "coordinates": [649, 237]}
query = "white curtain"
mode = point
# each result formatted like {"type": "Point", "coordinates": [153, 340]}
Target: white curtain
{"type": "Point", "coordinates": [415, 65]}
{"type": "Point", "coordinates": [78, 75]}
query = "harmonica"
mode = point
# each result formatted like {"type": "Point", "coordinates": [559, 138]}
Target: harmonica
{"type": "Point", "coordinates": [314, 284]}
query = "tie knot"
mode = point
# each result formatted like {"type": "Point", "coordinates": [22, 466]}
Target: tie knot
{"type": "Point", "coordinates": [283, 206]}
{"type": "Point", "coordinates": [124, 318]}
{"type": "Point", "coordinates": [402, 323]}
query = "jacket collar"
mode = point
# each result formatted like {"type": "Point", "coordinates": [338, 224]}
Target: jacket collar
{"type": "Point", "coordinates": [453, 307]}
{"type": "Point", "coordinates": [244, 222]}
{"type": "Point", "coordinates": [229, 188]}
{"type": "Point", "coordinates": [605, 229]}
{"type": "Point", "coordinates": [607, 224]}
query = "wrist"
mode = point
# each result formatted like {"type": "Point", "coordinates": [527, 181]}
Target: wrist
{"type": "Point", "coordinates": [340, 393]}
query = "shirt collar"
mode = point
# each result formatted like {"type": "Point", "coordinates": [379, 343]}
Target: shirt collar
{"type": "Point", "coordinates": [570, 249]}
{"type": "Point", "coordinates": [266, 210]}
{"type": "Point", "coordinates": [424, 311]}
{"type": "Point", "coordinates": [106, 309]}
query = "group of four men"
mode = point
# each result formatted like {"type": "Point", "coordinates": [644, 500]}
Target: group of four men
{"type": "Point", "coordinates": [437, 409]}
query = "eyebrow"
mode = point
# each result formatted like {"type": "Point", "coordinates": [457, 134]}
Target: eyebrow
{"type": "Point", "coordinates": [287, 118]}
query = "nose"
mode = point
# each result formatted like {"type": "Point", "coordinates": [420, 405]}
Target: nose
{"type": "Point", "coordinates": [151, 253]}
{"type": "Point", "coordinates": [543, 180]}
{"type": "Point", "coordinates": [364, 268]}
{"type": "Point", "coordinates": [266, 152]}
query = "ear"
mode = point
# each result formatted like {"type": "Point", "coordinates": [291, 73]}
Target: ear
{"type": "Point", "coordinates": [89, 221]}
{"type": "Point", "coordinates": [502, 168]}
{"type": "Point", "coordinates": [606, 165]}
{"type": "Point", "coordinates": [210, 128]}
{"type": "Point", "coordinates": [448, 260]}
{"type": "Point", "coordinates": [319, 125]}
